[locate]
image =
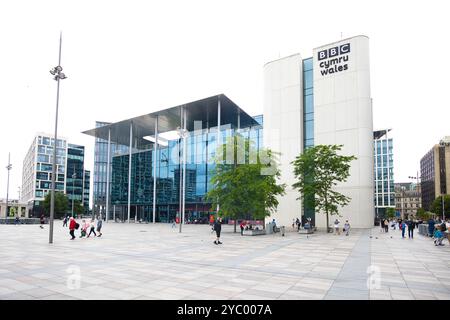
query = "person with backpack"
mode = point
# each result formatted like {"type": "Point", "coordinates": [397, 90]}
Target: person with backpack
{"type": "Point", "coordinates": [72, 226]}
{"type": "Point", "coordinates": [218, 228]}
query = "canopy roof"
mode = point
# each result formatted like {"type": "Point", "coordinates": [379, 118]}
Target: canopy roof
{"type": "Point", "coordinates": [204, 110]}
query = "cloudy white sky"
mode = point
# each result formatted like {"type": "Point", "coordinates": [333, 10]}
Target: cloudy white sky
{"type": "Point", "coordinates": [127, 58]}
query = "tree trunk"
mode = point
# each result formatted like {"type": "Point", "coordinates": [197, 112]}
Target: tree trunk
{"type": "Point", "coordinates": [327, 223]}
{"type": "Point", "coordinates": [235, 225]}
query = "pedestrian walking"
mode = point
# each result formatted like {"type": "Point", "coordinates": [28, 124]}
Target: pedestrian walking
{"type": "Point", "coordinates": [84, 227]}
{"type": "Point", "coordinates": [99, 227]}
{"type": "Point", "coordinates": [173, 223]}
{"type": "Point", "coordinates": [381, 225]}
{"type": "Point", "coordinates": [336, 227]}
{"type": "Point", "coordinates": [218, 228]}
{"type": "Point", "coordinates": [17, 220]}
{"type": "Point", "coordinates": [403, 228]}
{"type": "Point", "coordinates": [242, 226]}
{"type": "Point", "coordinates": [65, 222]}
{"type": "Point", "coordinates": [411, 226]}
{"type": "Point", "coordinates": [297, 222]}
{"type": "Point", "coordinates": [72, 227]}
{"type": "Point", "coordinates": [92, 230]}
{"type": "Point", "coordinates": [293, 224]}
{"type": "Point", "coordinates": [346, 227]}
{"type": "Point", "coordinates": [386, 226]}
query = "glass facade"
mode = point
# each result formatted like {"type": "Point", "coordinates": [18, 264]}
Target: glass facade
{"type": "Point", "coordinates": [200, 166]}
{"type": "Point", "coordinates": [383, 173]}
{"type": "Point", "coordinates": [308, 122]}
{"type": "Point", "coordinates": [76, 187]}
{"type": "Point", "coordinates": [100, 163]}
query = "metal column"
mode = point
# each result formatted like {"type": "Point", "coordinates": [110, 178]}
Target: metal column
{"type": "Point", "coordinates": [184, 166]}
{"type": "Point", "coordinates": [129, 171]}
{"type": "Point", "coordinates": [218, 145]}
{"type": "Point", "coordinates": [154, 169]}
{"type": "Point", "coordinates": [108, 172]}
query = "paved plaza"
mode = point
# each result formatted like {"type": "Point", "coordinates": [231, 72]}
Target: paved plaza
{"type": "Point", "coordinates": [146, 261]}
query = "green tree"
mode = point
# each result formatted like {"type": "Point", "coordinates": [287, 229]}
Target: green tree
{"type": "Point", "coordinates": [61, 204]}
{"type": "Point", "coordinates": [436, 206]}
{"type": "Point", "coordinates": [390, 213]}
{"type": "Point", "coordinates": [245, 181]}
{"type": "Point", "coordinates": [423, 215]}
{"type": "Point", "coordinates": [317, 170]}
{"type": "Point", "coordinates": [78, 208]}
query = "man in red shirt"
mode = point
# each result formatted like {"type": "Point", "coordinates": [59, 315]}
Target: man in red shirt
{"type": "Point", "coordinates": [242, 225]}
{"type": "Point", "coordinates": [72, 227]}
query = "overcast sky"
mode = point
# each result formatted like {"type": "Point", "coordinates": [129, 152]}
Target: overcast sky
{"type": "Point", "coordinates": [128, 58]}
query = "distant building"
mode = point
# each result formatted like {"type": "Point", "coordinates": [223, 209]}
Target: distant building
{"type": "Point", "coordinates": [19, 208]}
{"type": "Point", "coordinates": [37, 173]}
{"type": "Point", "coordinates": [407, 199]}
{"type": "Point", "coordinates": [384, 196]}
{"type": "Point", "coordinates": [435, 172]}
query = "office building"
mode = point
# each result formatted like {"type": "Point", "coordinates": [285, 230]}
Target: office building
{"type": "Point", "coordinates": [383, 172]}
{"type": "Point", "coordinates": [435, 172]}
{"type": "Point", "coordinates": [323, 99]}
{"type": "Point", "coordinates": [37, 173]}
{"type": "Point", "coordinates": [156, 145]}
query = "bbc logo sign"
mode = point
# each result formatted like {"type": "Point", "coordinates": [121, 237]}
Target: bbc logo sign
{"type": "Point", "coordinates": [334, 52]}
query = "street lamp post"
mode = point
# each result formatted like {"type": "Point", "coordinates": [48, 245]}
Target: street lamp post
{"type": "Point", "coordinates": [8, 167]}
{"type": "Point", "coordinates": [58, 75]}
{"type": "Point", "coordinates": [74, 176]}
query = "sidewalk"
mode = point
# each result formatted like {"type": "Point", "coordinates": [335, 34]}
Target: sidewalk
{"type": "Point", "coordinates": [146, 261]}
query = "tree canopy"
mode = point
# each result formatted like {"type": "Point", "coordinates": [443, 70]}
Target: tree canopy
{"type": "Point", "coordinates": [436, 206]}
{"type": "Point", "coordinates": [317, 170]}
{"type": "Point", "coordinates": [61, 203]}
{"type": "Point", "coordinates": [245, 181]}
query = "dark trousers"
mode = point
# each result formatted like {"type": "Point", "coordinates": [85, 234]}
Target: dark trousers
{"type": "Point", "coordinates": [403, 232]}
{"type": "Point", "coordinates": [72, 233]}
{"type": "Point", "coordinates": [92, 230]}
{"type": "Point", "coordinates": [411, 233]}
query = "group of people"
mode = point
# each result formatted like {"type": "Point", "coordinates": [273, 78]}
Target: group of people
{"type": "Point", "coordinates": [437, 228]}
{"type": "Point", "coordinates": [402, 225]}
{"type": "Point", "coordinates": [345, 229]}
{"type": "Point", "coordinates": [85, 225]}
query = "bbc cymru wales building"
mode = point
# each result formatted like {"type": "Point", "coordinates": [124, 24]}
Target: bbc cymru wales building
{"type": "Point", "coordinates": [323, 99]}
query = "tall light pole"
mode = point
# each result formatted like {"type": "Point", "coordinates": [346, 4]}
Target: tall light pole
{"type": "Point", "coordinates": [74, 176]}
{"type": "Point", "coordinates": [58, 75]}
{"type": "Point", "coordinates": [8, 167]}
